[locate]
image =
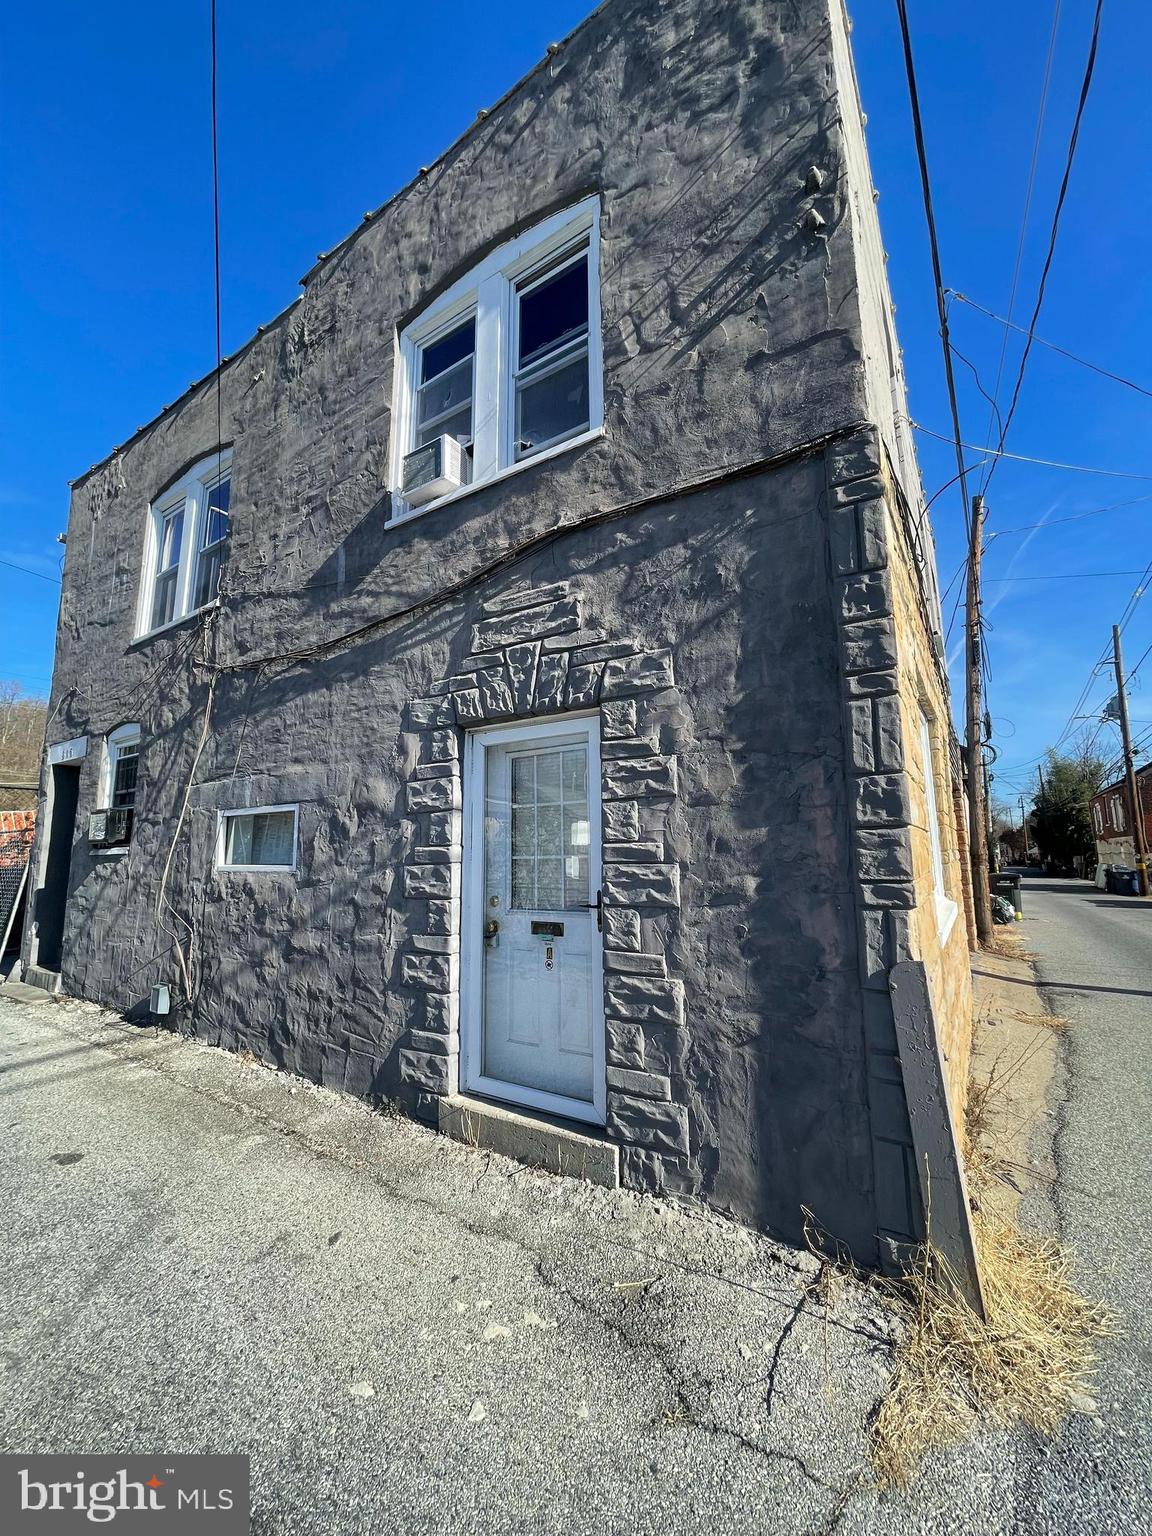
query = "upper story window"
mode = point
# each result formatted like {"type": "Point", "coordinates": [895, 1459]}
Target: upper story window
{"type": "Point", "coordinates": [506, 365]}
{"type": "Point", "coordinates": [184, 548]}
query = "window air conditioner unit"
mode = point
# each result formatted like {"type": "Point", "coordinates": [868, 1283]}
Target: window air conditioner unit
{"type": "Point", "coordinates": [439, 467]}
{"type": "Point", "coordinates": [108, 828]}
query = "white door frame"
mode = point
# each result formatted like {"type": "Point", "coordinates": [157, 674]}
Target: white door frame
{"type": "Point", "coordinates": [476, 743]}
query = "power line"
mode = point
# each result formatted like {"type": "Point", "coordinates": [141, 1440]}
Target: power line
{"type": "Point", "coordinates": [216, 246]}
{"type": "Point", "coordinates": [12, 566]}
{"type": "Point", "coordinates": [934, 246]}
{"type": "Point", "coordinates": [1085, 87]}
{"type": "Point", "coordinates": [1073, 517]}
{"type": "Point", "coordinates": [995, 416]}
{"type": "Point", "coordinates": [1065, 576]}
{"type": "Point", "coordinates": [1133, 671]}
{"type": "Point", "coordinates": [1107, 373]}
{"type": "Point", "coordinates": [1025, 458]}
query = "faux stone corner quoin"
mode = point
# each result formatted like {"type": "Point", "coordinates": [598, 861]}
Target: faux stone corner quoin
{"type": "Point", "coordinates": [879, 807]}
{"type": "Point", "coordinates": [527, 660]}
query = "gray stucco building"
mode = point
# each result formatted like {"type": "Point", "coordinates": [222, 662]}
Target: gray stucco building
{"type": "Point", "coordinates": [532, 695]}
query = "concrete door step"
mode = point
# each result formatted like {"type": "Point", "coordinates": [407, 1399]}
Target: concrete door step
{"type": "Point", "coordinates": [539, 1141]}
{"type": "Point", "coordinates": [20, 992]}
{"type": "Point", "coordinates": [36, 976]}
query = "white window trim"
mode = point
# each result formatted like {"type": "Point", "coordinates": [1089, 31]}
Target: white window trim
{"type": "Point", "coordinates": [222, 819]}
{"type": "Point", "coordinates": [488, 291]}
{"type": "Point", "coordinates": [946, 909]}
{"type": "Point", "coordinates": [192, 488]}
{"type": "Point", "coordinates": [122, 736]}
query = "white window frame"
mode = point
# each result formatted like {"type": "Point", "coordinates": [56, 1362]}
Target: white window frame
{"type": "Point", "coordinates": [946, 909]}
{"type": "Point", "coordinates": [123, 736]}
{"type": "Point", "coordinates": [1097, 819]}
{"type": "Point", "coordinates": [489, 292]}
{"type": "Point", "coordinates": [193, 489]}
{"type": "Point", "coordinates": [222, 819]}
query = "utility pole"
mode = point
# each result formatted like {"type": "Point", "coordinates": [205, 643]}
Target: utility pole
{"type": "Point", "coordinates": [974, 749]}
{"type": "Point", "coordinates": [1135, 809]}
{"type": "Point", "coordinates": [1023, 833]}
{"type": "Point", "coordinates": [993, 847]}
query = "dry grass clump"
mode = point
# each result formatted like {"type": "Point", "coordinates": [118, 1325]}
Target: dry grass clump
{"type": "Point", "coordinates": [1054, 1021]}
{"type": "Point", "coordinates": [1009, 946]}
{"type": "Point", "coordinates": [1027, 1363]}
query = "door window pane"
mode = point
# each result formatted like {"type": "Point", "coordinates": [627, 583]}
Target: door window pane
{"type": "Point", "coordinates": [550, 830]}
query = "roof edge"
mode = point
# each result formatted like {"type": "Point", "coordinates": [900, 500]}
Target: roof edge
{"type": "Point", "coordinates": [338, 249]}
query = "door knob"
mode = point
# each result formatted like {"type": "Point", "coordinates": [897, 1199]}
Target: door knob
{"type": "Point", "coordinates": [491, 929]}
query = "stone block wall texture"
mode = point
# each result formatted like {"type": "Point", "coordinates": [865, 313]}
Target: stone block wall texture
{"type": "Point", "coordinates": [740, 641]}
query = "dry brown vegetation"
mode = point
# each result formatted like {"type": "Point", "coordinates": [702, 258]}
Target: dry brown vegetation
{"type": "Point", "coordinates": [1007, 943]}
{"type": "Point", "coordinates": [1029, 1359]}
{"type": "Point", "coordinates": [21, 733]}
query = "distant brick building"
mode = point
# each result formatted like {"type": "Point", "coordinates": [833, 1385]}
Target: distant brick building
{"type": "Point", "coordinates": [1111, 823]}
{"type": "Point", "coordinates": [17, 833]}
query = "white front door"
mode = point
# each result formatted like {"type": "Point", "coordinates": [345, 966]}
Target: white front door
{"type": "Point", "coordinates": [532, 989]}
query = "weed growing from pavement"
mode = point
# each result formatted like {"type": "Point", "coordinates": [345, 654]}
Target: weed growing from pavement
{"type": "Point", "coordinates": [1028, 1361]}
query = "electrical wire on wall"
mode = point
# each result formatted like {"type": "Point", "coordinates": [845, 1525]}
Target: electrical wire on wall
{"type": "Point", "coordinates": [203, 633]}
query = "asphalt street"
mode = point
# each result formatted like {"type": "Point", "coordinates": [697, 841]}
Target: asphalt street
{"type": "Point", "coordinates": [409, 1335]}
{"type": "Point", "coordinates": [1095, 962]}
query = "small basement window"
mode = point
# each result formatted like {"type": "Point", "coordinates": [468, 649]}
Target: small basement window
{"type": "Point", "coordinates": [263, 838]}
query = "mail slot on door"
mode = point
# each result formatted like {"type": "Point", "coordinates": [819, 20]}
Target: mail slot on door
{"type": "Point", "coordinates": [548, 930]}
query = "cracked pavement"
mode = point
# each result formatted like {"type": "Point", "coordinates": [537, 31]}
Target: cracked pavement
{"type": "Point", "coordinates": [405, 1334]}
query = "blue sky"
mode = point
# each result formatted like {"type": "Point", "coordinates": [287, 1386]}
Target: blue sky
{"type": "Point", "coordinates": [105, 245]}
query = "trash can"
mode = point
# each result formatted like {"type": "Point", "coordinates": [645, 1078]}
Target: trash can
{"type": "Point", "coordinates": [1008, 886]}
{"type": "Point", "coordinates": [1123, 881]}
